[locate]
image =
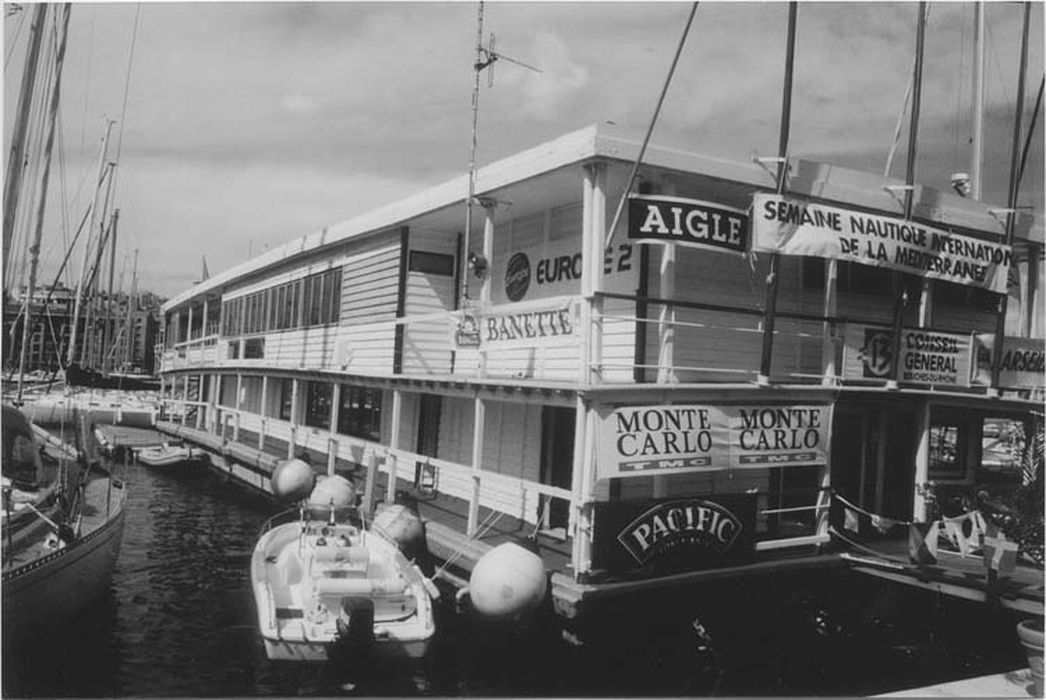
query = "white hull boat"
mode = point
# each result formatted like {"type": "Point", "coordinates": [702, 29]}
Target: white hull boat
{"type": "Point", "coordinates": [169, 455]}
{"type": "Point", "coordinates": [323, 586]}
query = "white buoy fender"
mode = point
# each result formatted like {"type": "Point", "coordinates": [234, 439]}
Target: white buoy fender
{"type": "Point", "coordinates": [292, 480]}
{"type": "Point", "coordinates": [333, 490]}
{"type": "Point", "coordinates": [508, 582]}
{"type": "Point", "coordinates": [402, 526]}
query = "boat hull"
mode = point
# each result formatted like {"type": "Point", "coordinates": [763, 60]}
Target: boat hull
{"type": "Point", "coordinates": [287, 650]}
{"type": "Point", "coordinates": [58, 586]}
{"type": "Point", "coordinates": [168, 457]}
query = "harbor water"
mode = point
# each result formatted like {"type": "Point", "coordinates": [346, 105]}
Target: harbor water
{"type": "Point", "coordinates": [179, 620]}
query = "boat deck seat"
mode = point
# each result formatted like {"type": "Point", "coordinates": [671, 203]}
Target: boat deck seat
{"type": "Point", "coordinates": [361, 586]}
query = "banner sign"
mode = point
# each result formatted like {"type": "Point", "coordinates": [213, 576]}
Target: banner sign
{"type": "Point", "coordinates": [654, 440]}
{"type": "Point", "coordinates": [688, 222]}
{"type": "Point", "coordinates": [794, 227]}
{"type": "Point", "coordinates": [534, 324]}
{"type": "Point", "coordinates": [1023, 362]}
{"type": "Point", "coordinates": [674, 535]}
{"type": "Point", "coordinates": [927, 357]}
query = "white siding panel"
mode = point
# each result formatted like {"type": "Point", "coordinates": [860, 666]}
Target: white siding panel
{"type": "Point", "coordinates": [366, 349]}
{"type": "Point", "coordinates": [370, 286]}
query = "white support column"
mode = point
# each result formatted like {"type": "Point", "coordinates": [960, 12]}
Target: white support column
{"type": "Point", "coordinates": [922, 462]}
{"type": "Point", "coordinates": [188, 326]}
{"type": "Point", "coordinates": [593, 235]}
{"type": "Point", "coordinates": [489, 212]}
{"type": "Point", "coordinates": [599, 232]}
{"type": "Point", "coordinates": [926, 304]}
{"type": "Point", "coordinates": [332, 442]}
{"type": "Point", "coordinates": [580, 504]}
{"type": "Point", "coordinates": [185, 399]}
{"type": "Point", "coordinates": [828, 329]}
{"type": "Point", "coordinates": [666, 317]}
{"type": "Point", "coordinates": [478, 424]}
{"type": "Point", "coordinates": [203, 323]}
{"type": "Point", "coordinates": [880, 462]}
{"type": "Point", "coordinates": [1031, 319]}
{"type": "Point", "coordinates": [239, 405]}
{"type": "Point", "coordinates": [292, 443]}
{"type": "Point", "coordinates": [264, 408]}
{"type": "Point", "coordinates": [394, 442]}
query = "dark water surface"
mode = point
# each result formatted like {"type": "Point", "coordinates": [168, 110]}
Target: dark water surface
{"type": "Point", "coordinates": [179, 620]}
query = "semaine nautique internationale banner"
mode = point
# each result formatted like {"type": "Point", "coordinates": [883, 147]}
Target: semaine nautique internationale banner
{"type": "Point", "coordinates": [791, 226]}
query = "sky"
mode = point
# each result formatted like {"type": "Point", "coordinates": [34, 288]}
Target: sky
{"type": "Point", "coordinates": [249, 124]}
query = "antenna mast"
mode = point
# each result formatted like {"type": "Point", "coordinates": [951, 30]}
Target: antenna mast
{"type": "Point", "coordinates": [485, 57]}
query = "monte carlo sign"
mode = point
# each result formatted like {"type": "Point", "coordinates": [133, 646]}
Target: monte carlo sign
{"type": "Point", "coordinates": [791, 226]}
{"type": "Point", "coordinates": [645, 440]}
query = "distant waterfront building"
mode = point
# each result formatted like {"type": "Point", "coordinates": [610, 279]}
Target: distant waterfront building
{"type": "Point", "coordinates": [128, 326]}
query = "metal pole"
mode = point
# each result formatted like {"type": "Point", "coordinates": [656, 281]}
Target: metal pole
{"type": "Point", "coordinates": [78, 301]}
{"type": "Point", "coordinates": [109, 297]}
{"type": "Point", "coordinates": [1011, 204]}
{"type": "Point", "coordinates": [16, 163]}
{"type": "Point", "coordinates": [34, 250]}
{"type": "Point", "coordinates": [899, 288]}
{"type": "Point", "coordinates": [770, 306]}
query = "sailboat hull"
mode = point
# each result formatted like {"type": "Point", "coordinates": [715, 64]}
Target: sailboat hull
{"type": "Point", "coordinates": [57, 586]}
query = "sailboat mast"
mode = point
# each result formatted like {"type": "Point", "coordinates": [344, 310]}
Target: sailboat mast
{"type": "Point", "coordinates": [131, 303]}
{"type": "Point", "coordinates": [1011, 203]}
{"type": "Point", "coordinates": [770, 305]}
{"type": "Point", "coordinates": [78, 301]}
{"type": "Point", "coordinates": [976, 140]}
{"type": "Point", "coordinates": [109, 295]}
{"type": "Point", "coordinates": [34, 250]}
{"type": "Point", "coordinates": [16, 161]}
{"type": "Point", "coordinates": [899, 291]}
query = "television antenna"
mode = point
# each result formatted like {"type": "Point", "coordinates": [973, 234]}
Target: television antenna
{"type": "Point", "coordinates": [485, 58]}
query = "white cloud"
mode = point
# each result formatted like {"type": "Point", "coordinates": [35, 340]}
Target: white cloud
{"type": "Point", "coordinates": [298, 105]}
{"type": "Point", "coordinates": [560, 79]}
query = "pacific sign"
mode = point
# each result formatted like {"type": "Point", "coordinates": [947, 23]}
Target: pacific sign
{"type": "Point", "coordinates": [687, 222]}
{"type": "Point", "coordinates": [674, 535]}
{"type": "Point", "coordinates": [794, 227]}
{"type": "Point", "coordinates": [645, 440]}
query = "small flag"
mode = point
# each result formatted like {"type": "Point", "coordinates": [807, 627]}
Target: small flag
{"type": "Point", "coordinates": [922, 543]}
{"type": "Point", "coordinates": [956, 534]}
{"type": "Point", "coordinates": [999, 553]}
{"type": "Point", "coordinates": [851, 522]}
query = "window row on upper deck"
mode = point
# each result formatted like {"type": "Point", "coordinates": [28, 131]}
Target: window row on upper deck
{"type": "Point", "coordinates": [314, 300]}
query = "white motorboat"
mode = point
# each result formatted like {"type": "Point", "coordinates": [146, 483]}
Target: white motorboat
{"type": "Point", "coordinates": [325, 585]}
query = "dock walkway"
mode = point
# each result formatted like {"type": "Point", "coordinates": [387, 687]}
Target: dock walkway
{"type": "Point", "coordinates": [1012, 684]}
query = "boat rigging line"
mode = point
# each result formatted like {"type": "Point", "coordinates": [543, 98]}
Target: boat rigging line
{"type": "Point", "coordinates": [650, 128]}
